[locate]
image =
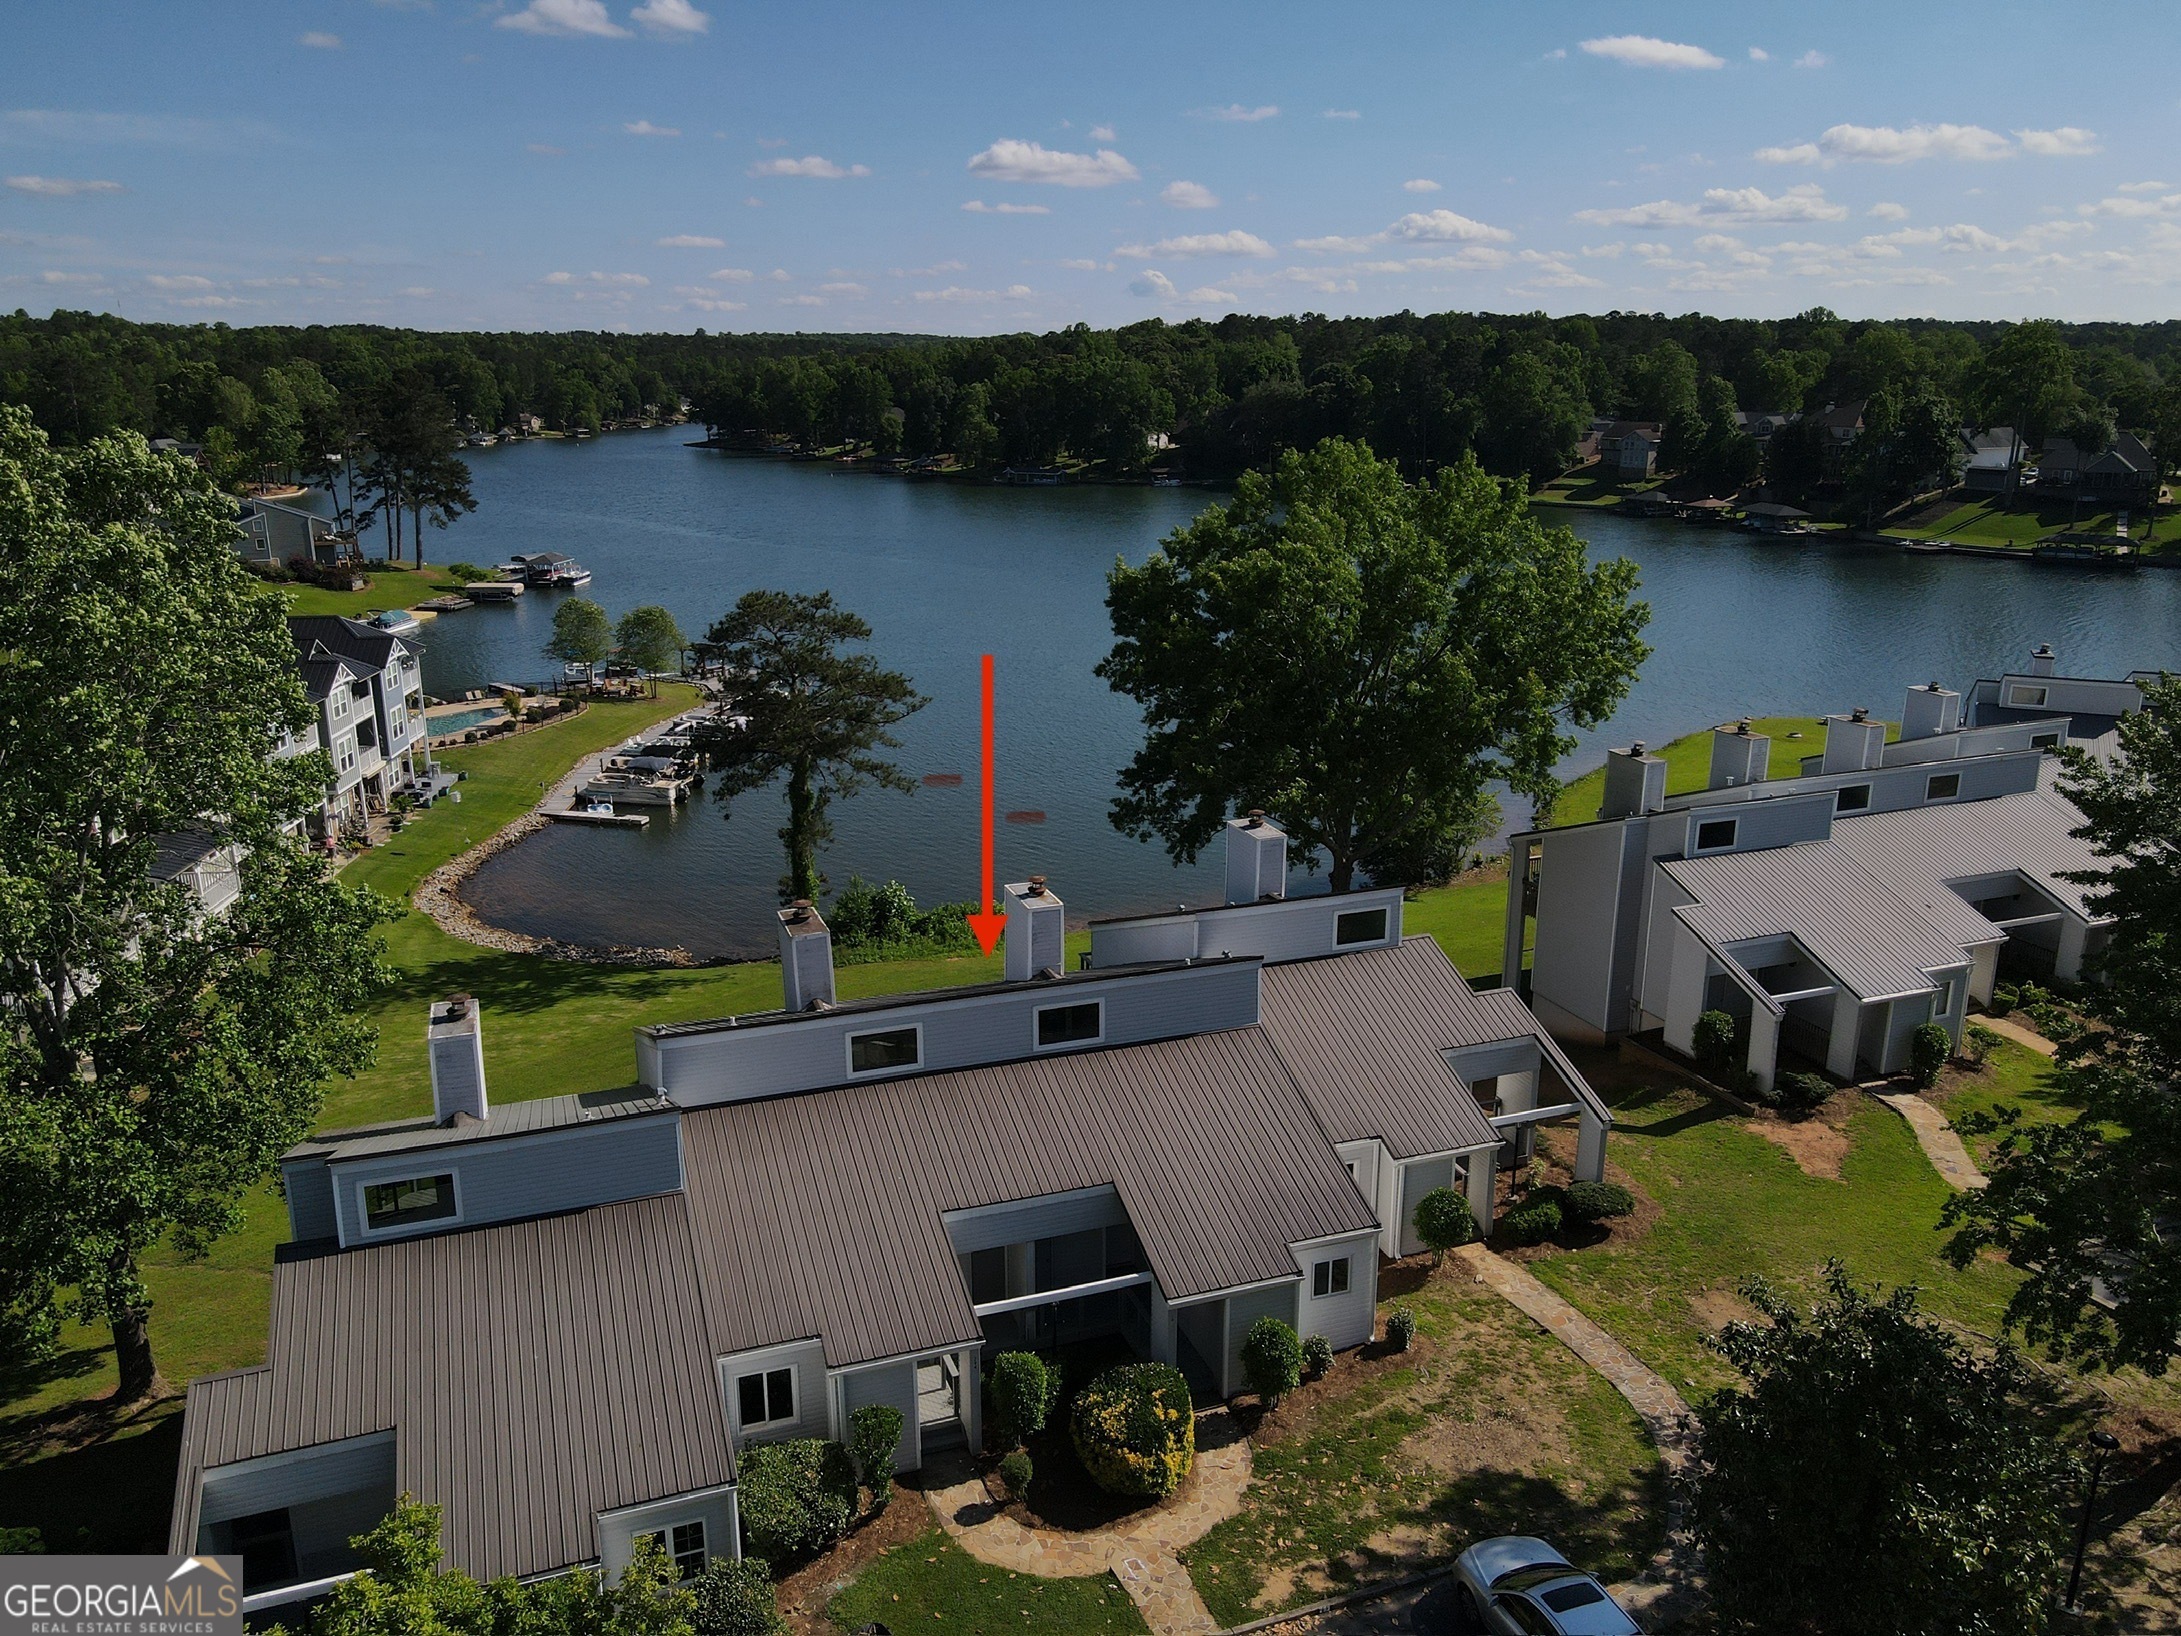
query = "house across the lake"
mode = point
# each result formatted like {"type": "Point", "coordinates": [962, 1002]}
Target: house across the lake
{"type": "Point", "coordinates": [560, 1320]}
{"type": "Point", "coordinates": [268, 533]}
{"type": "Point", "coordinates": [1833, 913]}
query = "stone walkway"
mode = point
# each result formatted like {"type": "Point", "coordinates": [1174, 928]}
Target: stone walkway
{"type": "Point", "coordinates": [1142, 1552]}
{"type": "Point", "coordinates": [1668, 1587]}
{"type": "Point", "coordinates": [1942, 1145]}
{"type": "Point", "coordinates": [2007, 1028]}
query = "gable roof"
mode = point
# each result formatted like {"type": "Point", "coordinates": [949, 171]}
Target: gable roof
{"type": "Point", "coordinates": [365, 645]}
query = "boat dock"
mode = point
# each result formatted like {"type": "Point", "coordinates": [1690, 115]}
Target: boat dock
{"type": "Point", "coordinates": [607, 820]}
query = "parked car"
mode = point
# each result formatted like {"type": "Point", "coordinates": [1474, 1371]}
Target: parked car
{"type": "Point", "coordinates": [1517, 1586]}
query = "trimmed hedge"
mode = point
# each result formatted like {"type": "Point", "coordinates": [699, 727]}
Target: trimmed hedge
{"type": "Point", "coordinates": [1534, 1220]}
{"type": "Point", "coordinates": [1017, 1470]}
{"type": "Point", "coordinates": [1714, 1043]}
{"type": "Point", "coordinates": [1272, 1357]}
{"type": "Point", "coordinates": [874, 1439]}
{"type": "Point", "coordinates": [1024, 1389]}
{"type": "Point", "coordinates": [1599, 1201]}
{"type": "Point", "coordinates": [1803, 1092]}
{"type": "Point", "coordinates": [1928, 1050]}
{"type": "Point", "coordinates": [1317, 1355]}
{"type": "Point", "coordinates": [1134, 1429]}
{"type": "Point", "coordinates": [1443, 1219]}
{"type": "Point", "coordinates": [735, 1597]}
{"type": "Point", "coordinates": [797, 1497]}
{"type": "Point", "coordinates": [1400, 1328]}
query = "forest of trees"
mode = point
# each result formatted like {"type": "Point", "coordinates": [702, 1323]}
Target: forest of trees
{"type": "Point", "coordinates": [1218, 397]}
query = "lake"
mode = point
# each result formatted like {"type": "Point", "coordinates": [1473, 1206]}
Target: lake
{"type": "Point", "coordinates": [946, 572]}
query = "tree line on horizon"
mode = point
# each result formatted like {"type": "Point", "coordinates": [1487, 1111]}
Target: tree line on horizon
{"type": "Point", "coordinates": [1217, 397]}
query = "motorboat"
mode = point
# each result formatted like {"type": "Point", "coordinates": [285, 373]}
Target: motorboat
{"type": "Point", "coordinates": [397, 622]}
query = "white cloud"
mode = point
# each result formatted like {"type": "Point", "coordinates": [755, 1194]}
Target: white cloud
{"type": "Point", "coordinates": [1886, 145]}
{"type": "Point", "coordinates": [954, 293]}
{"type": "Point", "coordinates": [802, 301]}
{"type": "Point", "coordinates": [1101, 133]}
{"type": "Point", "coordinates": [2067, 142]}
{"type": "Point", "coordinates": [608, 280]}
{"type": "Point", "coordinates": [1237, 114]}
{"type": "Point", "coordinates": [564, 17]}
{"type": "Point", "coordinates": [1342, 113]}
{"type": "Point", "coordinates": [845, 287]}
{"type": "Point", "coordinates": [60, 187]}
{"type": "Point", "coordinates": [1646, 51]}
{"type": "Point", "coordinates": [977, 207]}
{"type": "Point", "coordinates": [1758, 53]}
{"type": "Point", "coordinates": [1554, 273]}
{"type": "Point", "coordinates": [319, 40]}
{"type": "Point", "coordinates": [1604, 251]}
{"type": "Point", "coordinates": [1012, 160]}
{"type": "Point", "coordinates": [730, 275]}
{"type": "Point", "coordinates": [644, 127]}
{"type": "Point", "coordinates": [2134, 205]}
{"type": "Point", "coordinates": [1335, 244]}
{"type": "Point", "coordinates": [1153, 282]}
{"type": "Point", "coordinates": [1558, 53]}
{"type": "Point", "coordinates": [706, 303]}
{"type": "Point", "coordinates": [1813, 59]}
{"type": "Point", "coordinates": [824, 169]}
{"type": "Point", "coordinates": [1199, 244]}
{"type": "Point", "coordinates": [670, 19]}
{"type": "Point", "coordinates": [177, 281]}
{"type": "Point", "coordinates": [1420, 184]}
{"type": "Point", "coordinates": [1806, 203]}
{"type": "Point", "coordinates": [780, 275]}
{"type": "Point", "coordinates": [2143, 187]}
{"type": "Point", "coordinates": [1887, 211]}
{"type": "Point", "coordinates": [1441, 226]}
{"type": "Point", "coordinates": [1189, 196]}
{"type": "Point", "coordinates": [1081, 264]}
{"type": "Point", "coordinates": [689, 241]}
{"type": "Point", "coordinates": [54, 276]}
{"type": "Point", "coordinates": [1207, 294]}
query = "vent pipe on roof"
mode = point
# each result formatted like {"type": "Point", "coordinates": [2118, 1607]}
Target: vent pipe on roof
{"type": "Point", "coordinates": [1256, 859]}
{"type": "Point", "coordinates": [1738, 756]}
{"type": "Point", "coordinates": [2043, 661]}
{"type": "Point", "coordinates": [456, 1042]}
{"type": "Point", "coordinates": [1635, 782]}
{"type": "Point", "coordinates": [1036, 930]}
{"type": "Point", "coordinates": [806, 958]}
{"type": "Point", "coordinates": [1930, 711]}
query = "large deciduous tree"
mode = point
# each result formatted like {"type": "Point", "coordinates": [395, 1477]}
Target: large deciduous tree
{"type": "Point", "coordinates": [2088, 1207]}
{"type": "Point", "coordinates": [813, 713]}
{"type": "Point", "coordinates": [650, 640]}
{"type": "Point", "coordinates": [1874, 1474]}
{"type": "Point", "coordinates": [581, 635]}
{"type": "Point", "coordinates": [157, 1056]}
{"type": "Point", "coordinates": [1364, 658]}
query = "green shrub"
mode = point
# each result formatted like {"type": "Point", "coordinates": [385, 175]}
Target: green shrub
{"type": "Point", "coordinates": [1536, 1219]}
{"type": "Point", "coordinates": [2004, 999]}
{"type": "Point", "coordinates": [1400, 1329]}
{"type": "Point", "coordinates": [1134, 1429]}
{"type": "Point", "coordinates": [1443, 1220]}
{"type": "Point", "coordinates": [1977, 1042]}
{"type": "Point", "coordinates": [1016, 1471]}
{"type": "Point", "coordinates": [468, 573]}
{"type": "Point", "coordinates": [21, 1542]}
{"type": "Point", "coordinates": [797, 1497]}
{"type": "Point", "coordinates": [1928, 1049]}
{"type": "Point", "coordinates": [1803, 1092]}
{"type": "Point", "coordinates": [883, 922]}
{"type": "Point", "coordinates": [1714, 1045]}
{"type": "Point", "coordinates": [1599, 1201]}
{"type": "Point", "coordinates": [1024, 1389]}
{"type": "Point", "coordinates": [1764, 1096]}
{"type": "Point", "coordinates": [874, 1438]}
{"type": "Point", "coordinates": [736, 1598]}
{"type": "Point", "coordinates": [1272, 1357]}
{"type": "Point", "coordinates": [1317, 1355]}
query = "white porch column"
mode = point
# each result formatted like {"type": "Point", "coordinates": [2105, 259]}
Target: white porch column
{"type": "Point", "coordinates": [1840, 1049]}
{"type": "Point", "coordinates": [1510, 954]}
{"type": "Point", "coordinates": [1483, 1167]}
{"type": "Point", "coordinates": [1589, 1147]}
{"type": "Point", "coordinates": [972, 1388]}
{"type": "Point", "coordinates": [1764, 1045]}
{"type": "Point", "coordinates": [2067, 959]}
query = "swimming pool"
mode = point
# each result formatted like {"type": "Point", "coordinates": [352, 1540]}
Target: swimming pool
{"type": "Point", "coordinates": [461, 721]}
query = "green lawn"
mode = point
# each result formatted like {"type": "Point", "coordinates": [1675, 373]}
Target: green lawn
{"type": "Point", "coordinates": [1987, 522]}
{"type": "Point", "coordinates": [1688, 762]}
{"type": "Point", "coordinates": [2012, 1076]}
{"type": "Point", "coordinates": [389, 587]}
{"type": "Point", "coordinates": [1468, 919]}
{"type": "Point", "coordinates": [1489, 1426]}
{"type": "Point", "coordinates": [930, 1583]}
{"type": "Point", "coordinates": [1587, 488]}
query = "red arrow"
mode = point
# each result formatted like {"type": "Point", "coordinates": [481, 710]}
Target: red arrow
{"type": "Point", "coordinates": [987, 925]}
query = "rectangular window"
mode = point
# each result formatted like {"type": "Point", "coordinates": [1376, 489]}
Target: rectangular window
{"type": "Point", "coordinates": [1716, 834]}
{"type": "Point", "coordinates": [1329, 1278]}
{"type": "Point", "coordinates": [683, 1544]}
{"type": "Point", "coordinates": [1852, 798]}
{"type": "Point", "coordinates": [885, 1051]}
{"type": "Point", "coordinates": [340, 704]}
{"type": "Point", "coordinates": [399, 1204]}
{"type": "Point", "coordinates": [2034, 697]}
{"type": "Point", "coordinates": [2044, 741]}
{"type": "Point", "coordinates": [1071, 1024]}
{"type": "Point", "coordinates": [1360, 926]}
{"type": "Point", "coordinates": [766, 1398]}
{"type": "Point", "coordinates": [1942, 786]}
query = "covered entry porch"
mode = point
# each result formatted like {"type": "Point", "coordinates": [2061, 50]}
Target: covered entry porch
{"type": "Point", "coordinates": [1059, 1270]}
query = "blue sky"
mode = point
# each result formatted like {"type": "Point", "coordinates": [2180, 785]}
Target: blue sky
{"type": "Point", "coordinates": [666, 164]}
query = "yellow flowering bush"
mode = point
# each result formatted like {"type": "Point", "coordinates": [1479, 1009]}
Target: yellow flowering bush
{"type": "Point", "coordinates": [1135, 1429]}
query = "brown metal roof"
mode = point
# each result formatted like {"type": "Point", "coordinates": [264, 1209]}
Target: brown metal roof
{"type": "Point", "coordinates": [820, 1214]}
{"type": "Point", "coordinates": [1362, 1033]}
{"type": "Point", "coordinates": [524, 1118]}
{"type": "Point", "coordinates": [534, 1374]}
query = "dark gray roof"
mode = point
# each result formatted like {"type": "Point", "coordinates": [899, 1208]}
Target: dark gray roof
{"type": "Point", "coordinates": [323, 672]}
{"type": "Point", "coordinates": [534, 1374]}
{"type": "Point", "coordinates": [1362, 1033]}
{"type": "Point", "coordinates": [820, 1214]}
{"type": "Point", "coordinates": [354, 639]}
{"type": "Point", "coordinates": [182, 850]}
{"type": "Point", "coordinates": [504, 1119]}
